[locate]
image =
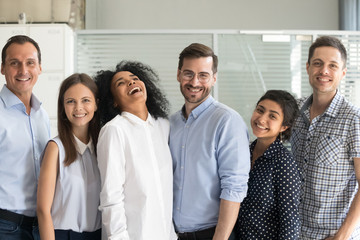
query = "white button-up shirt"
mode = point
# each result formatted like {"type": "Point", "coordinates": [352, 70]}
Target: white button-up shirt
{"type": "Point", "coordinates": [136, 178]}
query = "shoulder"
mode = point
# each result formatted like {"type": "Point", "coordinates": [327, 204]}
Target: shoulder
{"type": "Point", "coordinates": [162, 121]}
{"type": "Point", "coordinates": [115, 129]}
{"type": "Point", "coordinates": [116, 122]}
{"type": "Point", "coordinates": [301, 101]}
{"type": "Point", "coordinates": [224, 112]}
{"type": "Point", "coordinates": [52, 149]}
{"type": "Point", "coordinates": [226, 116]}
{"type": "Point", "coordinates": [348, 109]}
{"type": "Point", "coordinates": [285, 158]}
{"type": "Point", "coordinates": [175, 116]}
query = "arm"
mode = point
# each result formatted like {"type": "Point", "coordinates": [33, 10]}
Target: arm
{"type": "Point", "coordinates": [353, 217]}
{"type": "Point", "coordinates": [287, 195]}
{"type": "Point", "coordinates": [111, 162]}
{"type": "Point", "coordinates": [228, 214]}
{"type": "Point", "coordinates": [46, 189]}
{"type": "Point", "coordinates": [233, 167]}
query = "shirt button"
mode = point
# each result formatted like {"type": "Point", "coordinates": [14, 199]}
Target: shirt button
{"type": "Point", "coordinates": [305, 160]}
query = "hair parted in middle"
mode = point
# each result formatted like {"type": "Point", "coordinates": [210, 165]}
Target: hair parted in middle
{"type": "Point", "coordinates": [156, 102]}
{"type": "Point", "coordinates": [64, 125]}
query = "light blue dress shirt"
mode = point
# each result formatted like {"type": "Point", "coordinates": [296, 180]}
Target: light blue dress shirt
{"type": "Point", "coordinates": [210, 152]}
{"type": "Point", "coordinates": [22, 139]}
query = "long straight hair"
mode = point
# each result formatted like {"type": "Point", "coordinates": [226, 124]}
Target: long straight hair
{"type": "Point", "coordinates": [64, 125]}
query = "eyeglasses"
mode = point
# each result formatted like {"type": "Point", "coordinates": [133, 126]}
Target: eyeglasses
{"type": "Point", "coordinates": [187, 75]}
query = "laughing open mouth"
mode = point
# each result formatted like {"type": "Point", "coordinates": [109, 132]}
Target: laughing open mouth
{"type": "Point", "coordinates": [134, 90]}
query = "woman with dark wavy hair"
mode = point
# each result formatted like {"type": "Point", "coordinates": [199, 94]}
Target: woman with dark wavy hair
{"type": "Point", "coordinates": [133, 154]}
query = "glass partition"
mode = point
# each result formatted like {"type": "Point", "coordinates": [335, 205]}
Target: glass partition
{"type": "Point", "coordinates": [249, 62]}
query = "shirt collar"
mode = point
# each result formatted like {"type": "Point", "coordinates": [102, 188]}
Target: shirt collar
{"type": "Point", "coordinates": [333, 108]}
{"type": "Point", "coordinates": [81, 147]}
{"type": "Point", "coordinates": [135, 119]}
{"type": "Point", "coordinates": [201, 108]}
{"type": "Point", "coordinates": [10, 99]}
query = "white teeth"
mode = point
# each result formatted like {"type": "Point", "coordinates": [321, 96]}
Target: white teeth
{"type": "Point", "coordinates": [79, 115]}
{"type": "Point", "coordinates": [260, 126]}
{"type": "Point", "coordinates": [195, 90]}
{"type": "Point", "coordinates": [134, 89]}
{"type": "Point", "coordinates": [22, 79]}
{"type": "Point", "coordinates": [323, 79]}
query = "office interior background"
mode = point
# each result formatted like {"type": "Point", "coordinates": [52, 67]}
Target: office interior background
{"type": "Point", "coordinates": [261, 44]}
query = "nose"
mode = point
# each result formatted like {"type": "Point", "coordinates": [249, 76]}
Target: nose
{"type": "Point", "coordinates": [131, 82]}
{"type": "Point", "coordinates": [194, 80]}
{"type": "Point", "coordinates": [79, 105]}
{"type": "Point", "coordinates": [22, 68]}
{"type": "Point", "coordinates": [324, 70]}
{"type": "Point", "coordinates": [262, 118]}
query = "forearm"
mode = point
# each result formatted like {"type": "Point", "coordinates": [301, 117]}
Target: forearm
{"type": "Point", "coordinates": [46, 226]}
{"type": "Point", "coordinates": [228, 214]}
{"type": "Point", "coordinates": [351, 221]}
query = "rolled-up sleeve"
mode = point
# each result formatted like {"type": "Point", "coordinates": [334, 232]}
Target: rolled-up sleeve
{"type": "Point", "coordinates": [233, 158]}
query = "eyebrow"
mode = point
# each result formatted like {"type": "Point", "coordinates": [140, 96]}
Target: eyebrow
{"type": "Point", "coordinates": [121, 78]}
{"type": "Point", "coordinates": [74, 98]}
{"type": "Point", "coordinates": [318, 59]}
{"type": "Point", "coordinates": [186, 70]}
{"type": "Point", "coordinates": [272, 111]}
{"type": "Point", "coordinates": [16, 59]}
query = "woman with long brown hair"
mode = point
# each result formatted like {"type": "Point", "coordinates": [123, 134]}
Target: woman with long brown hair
{"type": "Point", "coordinates": [69, 182]}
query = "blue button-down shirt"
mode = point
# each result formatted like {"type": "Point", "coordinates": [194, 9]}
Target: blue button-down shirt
{"type": "Point", "coordinates": [211, 162]}
{"type": "Point", "coordinates": [22, 140]}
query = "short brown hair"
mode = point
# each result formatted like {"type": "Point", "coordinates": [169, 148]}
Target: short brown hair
{"type": "Point", "coordinates": [197, 50]}
{"type": "Point", "coordinates": [19, 39]}
{"type": "Point", "coordinates": [328, 41]}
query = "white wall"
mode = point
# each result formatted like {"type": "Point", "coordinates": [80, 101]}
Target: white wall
{"type": "Point", "coordinates": [35, 10]}
{"type": "Point", "coordinates": [213, 14]}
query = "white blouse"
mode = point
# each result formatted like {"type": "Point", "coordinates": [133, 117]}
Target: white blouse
{"type": "Point", "coordinates": [136, 178]}
{"type": "Point", "coordinates": [76, 198]}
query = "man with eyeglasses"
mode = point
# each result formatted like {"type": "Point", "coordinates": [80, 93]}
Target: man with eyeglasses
{"type": "Point", "coordinates": [209, 144]}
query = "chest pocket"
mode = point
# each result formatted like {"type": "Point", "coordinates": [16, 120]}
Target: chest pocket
{"type": "Point", "coordinates": [328, 150]}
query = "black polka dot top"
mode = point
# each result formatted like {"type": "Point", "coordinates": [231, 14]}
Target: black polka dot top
{"type": "Point", "coordinates": [270, 209]}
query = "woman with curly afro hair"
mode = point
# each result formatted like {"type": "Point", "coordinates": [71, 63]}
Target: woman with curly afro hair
{"type": "Point", "coordinates": [133, 154]}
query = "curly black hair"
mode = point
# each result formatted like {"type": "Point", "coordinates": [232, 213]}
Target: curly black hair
{"type": "Point", "coordinates": [156, 102]}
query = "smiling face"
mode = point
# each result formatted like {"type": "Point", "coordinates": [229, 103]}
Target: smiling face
{"type": "Point", "coordinates": [127, 89]}
{"type": "Point", "coordinates": [194, 91]}
{"type": "Point", "coordinates": [80, 105]}
{"type": "Point", "coordinates": [267, 121]}
{"type": "Point", "coordinates": [326, 69]}
{"type": "Point", "coordinates": [21, 68]}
